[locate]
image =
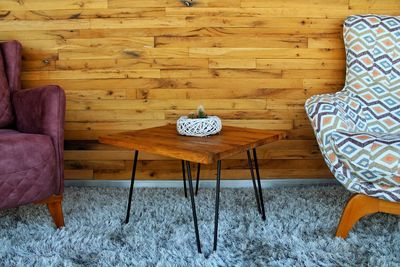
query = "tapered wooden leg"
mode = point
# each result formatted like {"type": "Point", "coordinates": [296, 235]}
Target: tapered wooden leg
{"type": "Point", "coordinates": [360, 205]}
{"type": "Point", "coordinates": [55, 208]}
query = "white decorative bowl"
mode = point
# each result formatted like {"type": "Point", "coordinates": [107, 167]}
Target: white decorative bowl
{"type": "Point", "coordinates": [198, 127]}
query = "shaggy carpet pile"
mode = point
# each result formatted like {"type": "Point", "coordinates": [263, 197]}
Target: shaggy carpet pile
{"type": "Point", "coordinates": [299, 230]}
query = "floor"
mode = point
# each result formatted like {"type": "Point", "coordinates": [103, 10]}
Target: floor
{"type": "Point", "coordinates": [299, 230]}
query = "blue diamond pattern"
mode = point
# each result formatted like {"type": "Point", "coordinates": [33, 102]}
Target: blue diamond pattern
{"type": "Point", "coordinates": [349, 149]}
{"type": "Point", "coordinates": [357, 128]}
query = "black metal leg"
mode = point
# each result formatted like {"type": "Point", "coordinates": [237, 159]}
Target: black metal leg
{"type": "Point", "coordinates": [196, 228]}
{"type": "Point", "coordinates": [254, 180]}
{"type": "Point", "coordinates": [259, 184]}
{"type": "Point", "coordinates": [217, 204]}
{"type": "Point", "coordinates": [197, 178]}
{"type": "Point", "coordinates": [184, 177]}
{"type": "Point", "coordinates": [131, 188]}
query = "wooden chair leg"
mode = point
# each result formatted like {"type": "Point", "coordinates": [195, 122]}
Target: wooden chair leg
{"type": "Point", "coordinates": [360, 205]}
{"type": "Point", "coordinates": [55, 208]}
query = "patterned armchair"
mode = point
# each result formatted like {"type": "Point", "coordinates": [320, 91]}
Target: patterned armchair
{"type": "Point", "coordinates": [358, 128]}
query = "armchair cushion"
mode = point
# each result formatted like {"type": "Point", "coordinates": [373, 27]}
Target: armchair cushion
{"type": "Point", "coordinates": [28, 171]}
{"type": "Point", "coordinates": [375, 157]}
{"type": "Point", "coordinates": [6, 113]}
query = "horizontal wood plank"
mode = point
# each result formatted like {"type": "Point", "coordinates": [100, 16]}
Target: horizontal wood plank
{"type": "Point", "coordinates": [50, 4]}
{"type": "Point", "coordinates": [129, 65]}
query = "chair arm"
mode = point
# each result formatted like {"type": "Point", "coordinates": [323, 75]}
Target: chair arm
{"type": "Point", "coordinates": [42, 111]}
{"type": "Point", "coordinates": [329, 113]}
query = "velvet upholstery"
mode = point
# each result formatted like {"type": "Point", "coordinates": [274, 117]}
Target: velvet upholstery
{"type": "Point", "coordinates": [27, 168]}
{"type": "Point", "coordinates": [6, 112]}
{"type": "Point", "coordinates": [42, 111]}
{"type": "Point", "coordinates": [31, 153]}
{"type": "Point", "coordinates": [12, 55]}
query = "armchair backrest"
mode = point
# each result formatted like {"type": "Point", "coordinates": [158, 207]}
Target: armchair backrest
{"type": "Point", "coordinates": [373, 68]}
{"type": "Point", "coordinates": [12, 57]}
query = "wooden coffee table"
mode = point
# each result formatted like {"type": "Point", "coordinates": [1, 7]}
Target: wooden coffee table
{"type": "Point", "coordinates": [166, 141]}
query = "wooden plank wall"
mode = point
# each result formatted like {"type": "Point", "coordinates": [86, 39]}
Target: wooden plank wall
{"type": "Point", "coordinates": [131, 64]}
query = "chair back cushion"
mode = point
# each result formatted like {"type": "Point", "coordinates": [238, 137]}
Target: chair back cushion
{"type": "Point", "coordinates": [373, 68]}
{"type": "Point", "coordinates": [6, 111]}
{"type": "Point", "coordinates": [12, 58]}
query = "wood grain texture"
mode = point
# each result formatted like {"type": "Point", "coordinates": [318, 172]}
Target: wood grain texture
{"type": "Point", "coordinates": [128, 65]}
{"type": "Point", "coordinates": [54, 205]}
{"type": "Point", "coordinates": [165, 141]}
{"type": "Point", "coordinates": [360, 205]}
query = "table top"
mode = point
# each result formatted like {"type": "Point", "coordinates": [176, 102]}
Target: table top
{"type": "Point", "coordinates": [166, 141]}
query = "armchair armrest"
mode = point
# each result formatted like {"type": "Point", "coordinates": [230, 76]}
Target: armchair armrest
{"type": "Point", "coordinates": [330, 113]}
{"type": "Point", "coordinates": [42, 111]}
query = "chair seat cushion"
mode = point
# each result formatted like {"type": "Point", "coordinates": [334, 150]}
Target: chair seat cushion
{"type": "Point", "coordinates": [375, 157]}
{"type": "Point", "coordinates": [27, 168]}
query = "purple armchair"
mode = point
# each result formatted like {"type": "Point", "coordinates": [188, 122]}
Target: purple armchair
{"type": "Point", "coordinates": [31, 139]}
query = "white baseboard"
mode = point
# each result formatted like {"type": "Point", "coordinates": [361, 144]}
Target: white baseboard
{"type": "Point", "coordinates": [270, 183]}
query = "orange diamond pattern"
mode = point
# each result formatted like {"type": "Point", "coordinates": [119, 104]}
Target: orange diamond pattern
{"type": "Point", "coordinates": [358, 128]}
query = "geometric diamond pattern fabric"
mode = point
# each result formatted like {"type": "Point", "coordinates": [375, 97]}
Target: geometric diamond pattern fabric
{"type": "Point", "coordinates": [358, 128]}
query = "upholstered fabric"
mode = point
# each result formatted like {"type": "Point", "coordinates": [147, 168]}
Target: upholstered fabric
{"type": "Point", "coordinates": [42, 111]}
{"type": "Point", "coordinates": [27, 168]}
{"type": "Point", "coordinates": [31, 153]}
{"type": "Point", "coordinates": [12, 55]}
{"type": "Point", "coordinates": [373, 156]}
{"type": "Point", "coordinates": [358, 128]}
{"type": "Point", "coordinates": [6, 112]}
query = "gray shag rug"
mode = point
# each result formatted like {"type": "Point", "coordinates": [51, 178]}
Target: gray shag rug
{"type": "Point", "coordinates": [299, 230]}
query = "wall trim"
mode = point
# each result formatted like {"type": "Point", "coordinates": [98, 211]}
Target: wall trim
{"type": "Point", "coordinates": [270, 183]}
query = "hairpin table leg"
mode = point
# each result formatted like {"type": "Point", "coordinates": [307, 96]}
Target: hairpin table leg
{"type": "Point", "coordinates": [217, 204]}
{"type": "Point", "coordinates": [197, 178]}
{"type": "Point", "coordinates": [254, 180]}
{"type": "Point", "coordinates": [196, 228]}
{"type": "Point", "coordinates": [184, 177]}
{"type": "Point", "coordinates": [259, 184]}
{"type": "Point", "coordinates": [131, 188]}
